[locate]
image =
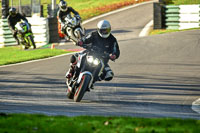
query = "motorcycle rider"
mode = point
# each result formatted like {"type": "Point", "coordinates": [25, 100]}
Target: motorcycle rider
{"type": "Point", "coordinates": [102, 39]}
{"type": "Point", "coordinates": [63, 11]}
{"type": "Point", "coordinates": [13, 18]}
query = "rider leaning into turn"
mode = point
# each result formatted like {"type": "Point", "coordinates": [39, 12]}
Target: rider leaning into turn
{"type": "Point", "coordinates": [63, 11]}
{"type": "Point", "coordinates": [13, 18]}
{"type": "Point", "coordinates": [104, 40]}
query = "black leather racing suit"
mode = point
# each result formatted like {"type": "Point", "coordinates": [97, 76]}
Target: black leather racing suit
{"type": "Point", "coordinates": [108, 45]}
{"type": "Point", "coordinates": [12, 21]}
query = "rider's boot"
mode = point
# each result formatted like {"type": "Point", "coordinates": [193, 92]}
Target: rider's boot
{"type": "Point", "coordinates": [17, 40]}
{"type": "Point", "coordinates": [63, 31]}
{"type": "Point", "coordinates": [92, 86]}
{"type": "Point", "coordinates": [71, 71]}
{"type": "Point", "coordinates": [73, 63]}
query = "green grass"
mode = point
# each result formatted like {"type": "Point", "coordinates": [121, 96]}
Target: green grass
{"type": "Point", "coordinates": [163, 31]}
{"type": "Point", "coordinates": [10, 55]}
{"type": "Point", "coordinates": [26, 123]}
{"type": "Point", "coordinates": [182, 2]}
{"type": "Point", "coordinates": [83, 4]}
{"type": "Point", "coordinates": [91, 8]}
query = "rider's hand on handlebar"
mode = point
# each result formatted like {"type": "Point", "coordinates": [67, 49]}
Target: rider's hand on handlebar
{"type": "Point", "coordinates": [112, 57]}
{"type": "Point", "coordinates": [78, 17]}
{"type": "Point", "coordinates": [80, 43]}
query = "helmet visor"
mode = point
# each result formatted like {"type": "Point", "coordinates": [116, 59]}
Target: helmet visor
{"type": "Point", "coordinates": [64, 7]}
{"type": "Point", "coordinates": [13, 14]}
{"type": "Point", "coordinates": [105, 31]}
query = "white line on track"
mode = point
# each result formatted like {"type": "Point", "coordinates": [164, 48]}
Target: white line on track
{"type": "Point", "coordinates": [196, 106]}
{"type": "Point", "coordinates": [146, 29]}
{"type": "Point", "coordinates": [85, 22]}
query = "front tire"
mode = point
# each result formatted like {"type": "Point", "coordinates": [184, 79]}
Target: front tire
{"type": "Point", "coordinates": [31, 41]}
{"type": "Point", "coordinates": [79, 34]}
{"type": "Point", "coordinates": [81, 89]}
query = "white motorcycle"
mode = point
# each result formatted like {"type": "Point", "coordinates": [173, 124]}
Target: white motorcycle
{"type": "Point", "coordinates": [74, 28]}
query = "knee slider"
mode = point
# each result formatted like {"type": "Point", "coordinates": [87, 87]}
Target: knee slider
{"type": "Point", "coordinates": [109, 75]}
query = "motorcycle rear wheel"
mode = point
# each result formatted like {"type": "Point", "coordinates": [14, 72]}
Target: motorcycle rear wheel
{"type": "Point", "coordinates": [81, 89]}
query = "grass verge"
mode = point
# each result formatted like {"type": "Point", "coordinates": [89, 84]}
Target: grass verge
{"type": "Point", "coordinates": [11, 55]}
{"type": "Point", "coordinates": [26, 123]}
{"type": "Point", "coordinates": [91, 8]}
{"type": "Point", "coordinates": [163, 31]}
{"type": "Point", "coordinates": [182, 2]}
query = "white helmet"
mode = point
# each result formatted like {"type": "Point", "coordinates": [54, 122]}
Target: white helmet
{"type": "Point", "coordinates": [63, 6]}
{"type": "Point", "coordinates": [104, 28]}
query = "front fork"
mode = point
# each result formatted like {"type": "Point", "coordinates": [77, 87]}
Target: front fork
{"type": "Point", "coordinates": [86, 73]}
{"type": "Point", "coordinates": [75, 35]}
{"type": "Point", "coordinates": [74, 83]}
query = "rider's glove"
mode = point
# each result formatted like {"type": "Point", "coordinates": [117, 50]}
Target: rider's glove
{"type": "Point", "coordinates": [78, 17]}
{"type": "Point", "coordinates": [112, 57]}
{"type": "Point", "coordinates": [80, 43]}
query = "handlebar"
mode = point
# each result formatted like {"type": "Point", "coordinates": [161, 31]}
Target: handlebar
{"type": "Point", "coordinates": [97, 52]}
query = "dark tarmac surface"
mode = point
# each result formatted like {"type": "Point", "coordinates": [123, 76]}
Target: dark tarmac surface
{"type": "Point", "coordinates": [155, 76]}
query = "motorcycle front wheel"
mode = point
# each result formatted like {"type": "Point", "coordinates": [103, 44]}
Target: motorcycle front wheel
{"type": "Point", "coordinates": [81, 89]}
{"type": "Point", "coordinates": [31, 41]}
{"type": "Point", "coordinates": [79, 34]}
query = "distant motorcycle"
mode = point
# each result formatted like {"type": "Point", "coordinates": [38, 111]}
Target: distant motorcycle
{"type": "Point", "coordinates": [74, 28]}
{"type": "Point", "coordinates": [24, 34]}
{"type": "Point", "coordinates": [88, 70]}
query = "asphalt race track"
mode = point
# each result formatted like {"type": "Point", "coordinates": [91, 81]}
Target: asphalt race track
{"type": "Point", "coordinates": [155, 76]}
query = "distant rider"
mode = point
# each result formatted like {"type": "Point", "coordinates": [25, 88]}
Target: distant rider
{"type": "Point", "coordinates": [103, 40]}
{"type": "Point", "coordinates": [63, 11]}
{"type": "Point", "coordinates": [13, 18]}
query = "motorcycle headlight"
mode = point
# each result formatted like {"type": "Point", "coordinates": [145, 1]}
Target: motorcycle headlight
{"type": "Point", "coordinates": [93, 61]}
{"type": "Point", "coordinates": [96, 61]}
{"type": "Point", "coordinates": [90, 59]}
